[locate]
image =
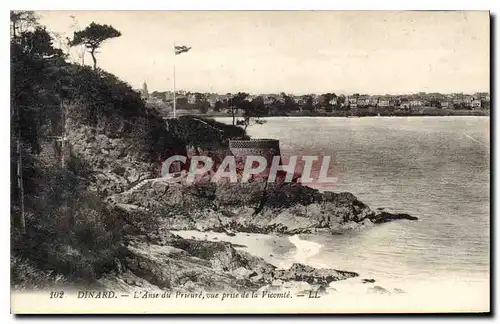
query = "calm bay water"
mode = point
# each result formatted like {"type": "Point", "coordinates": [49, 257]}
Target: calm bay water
{"type": "Point", "coordinates": [435, 168]}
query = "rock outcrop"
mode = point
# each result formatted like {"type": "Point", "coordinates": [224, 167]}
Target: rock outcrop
{"type": "Point", "coordinates": [256, 207]}
{"type": "Point", "coordinates": [378, 290]}
{"type": "Point", "coordinates": [174, 263]}
{"type": "Point", "coordinates": [150, 208]}
{"type": "Point", "coordinates": [313, 276]}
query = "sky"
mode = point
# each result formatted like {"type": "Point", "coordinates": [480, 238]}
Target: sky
{"type": "Point", "coordinates": [369, 52]}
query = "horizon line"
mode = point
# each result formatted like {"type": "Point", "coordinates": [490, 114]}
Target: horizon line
{"type": "Point", "coordinates": [317, 93]}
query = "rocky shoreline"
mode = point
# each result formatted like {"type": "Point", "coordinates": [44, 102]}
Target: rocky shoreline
{"type": "Point", "coordinates": [192, 265]}
{"type": "Point", "coordinates": [255, 207]}
{"type": "Point", "coordinates": [148, 209]}
{"type": "Point", "coordinates": [158, 258]}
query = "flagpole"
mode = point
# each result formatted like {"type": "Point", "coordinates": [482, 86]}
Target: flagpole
{"type": "Point", "coordinates": [174, 85]}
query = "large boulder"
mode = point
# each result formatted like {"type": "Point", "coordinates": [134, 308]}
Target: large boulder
{"type": "Point", "coordinates": [301, 272]}
{"type": "Point", "coordinates": [175, 263]}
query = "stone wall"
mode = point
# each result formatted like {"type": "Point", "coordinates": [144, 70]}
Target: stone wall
{"type": "Point", "coordinates": [268, 148]}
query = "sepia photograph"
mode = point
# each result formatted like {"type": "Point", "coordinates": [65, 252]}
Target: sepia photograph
{"type": "Point", "coordinates": [250, 162]}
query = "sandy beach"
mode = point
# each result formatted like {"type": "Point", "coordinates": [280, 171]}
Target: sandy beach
{"type": "Point", "coordinates": [275, 249]}
{"type": "Point", "coordinates": [284, 250]}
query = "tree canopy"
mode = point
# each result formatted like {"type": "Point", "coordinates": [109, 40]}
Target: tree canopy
{"type": "Point", "coordinates": [93, 36]}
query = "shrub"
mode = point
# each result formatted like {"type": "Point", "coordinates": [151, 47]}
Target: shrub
{"type": "Point", "coordinates": [26, 275]}
{"type": "Point", "coordinates": [69, 232]}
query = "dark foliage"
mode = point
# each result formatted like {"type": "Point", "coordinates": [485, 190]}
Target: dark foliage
{"type": "Point", "coordinates": [93, 37]}
{"type": "Point", "coordinates": [202, 132]}
{"type": "Point", "coordinates": [69, 231]}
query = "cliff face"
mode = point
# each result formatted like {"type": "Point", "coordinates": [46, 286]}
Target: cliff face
{"type": "Point", "coordinates": [120, 155]}
{"type": "Point", "coordinates": [115, 168]}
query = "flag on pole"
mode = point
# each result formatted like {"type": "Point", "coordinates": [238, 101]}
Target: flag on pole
{"type": "Point", "coordinates": [181, 49]}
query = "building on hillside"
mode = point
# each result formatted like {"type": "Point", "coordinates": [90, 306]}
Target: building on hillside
{"type": "Point", "coordinates": [372, 101]}
{"type": "Point", "coordinates": [181, 100]}
{"type": "Point", "coordinates": [467, 101]}
{"type": "Point", "coordinates": [224, 97]}
{"type": "Point", "coordinates": [363, 101]}
{"type": "Point", "coordinates": [385, 103]}
{"type": "Point", "coordinates": [316, 100]}
{"type": "Point", "coordinates": [299, 100]}
{"type": "Point", "coordinates": [445, 104]}
{"type": "Point", "coordinates": [269, 99]}
{"type": "Point", "coordinates": [416, 103]}
{"type": "Point", "coordinates": [352, 102]}
{"type": "Point", "coordinates": [476, 104]}
{"type": "Point", "coordinates": [484, 96]}
{"type": "Point", "coordinates": [169, 96]}
{"type": "Point", "coordinates": [404, 104]}
{"type": "Point", "coordinates": [191, 98]}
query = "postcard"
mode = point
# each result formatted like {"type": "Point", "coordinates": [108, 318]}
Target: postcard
{"type": "Point", "coordinates": [250, 162]}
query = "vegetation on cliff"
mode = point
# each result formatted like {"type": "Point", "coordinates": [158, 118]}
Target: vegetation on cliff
{"type": "Point", "coordinates": [201, 132]}
{"type": "Point", "coordinates": [71, 125]}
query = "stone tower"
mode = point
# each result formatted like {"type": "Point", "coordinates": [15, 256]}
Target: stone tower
{"type": "Point", "coordinates": [267, 148]}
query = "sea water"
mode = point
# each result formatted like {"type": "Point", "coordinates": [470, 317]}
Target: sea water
{"type": "Point", "coordinates": [435, 168]}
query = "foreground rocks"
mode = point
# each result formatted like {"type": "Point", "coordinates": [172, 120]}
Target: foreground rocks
{"type": "Point", "coordinates": [174, 263]}
{"type": "Point", "coordinates": [160, 259]}
{"type": "Point", "coordinates": [304, 273]}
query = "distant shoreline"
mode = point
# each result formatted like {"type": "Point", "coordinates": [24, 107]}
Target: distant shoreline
{"type": "Point", "coordinates": [346, 114]}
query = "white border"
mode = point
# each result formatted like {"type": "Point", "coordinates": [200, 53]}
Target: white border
{"type": "Point", "coordinates": [198, 5]}
{"type": "Point", "coordinates": [257, 5]}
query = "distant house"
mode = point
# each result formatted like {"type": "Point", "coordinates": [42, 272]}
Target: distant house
{"type": "Point", "coordinates": [415, 103]}
{"type": "Point", "coordinates": [269, 100]}
{"type": "Point", "coordinates": [404, 104]}
{"type": "Point", "coordinates": [154, 100]}
{"type": "Point", "coordinates": [445, 104]}
{"type": "Point", "coordinates": [316, 100]}
{"type": "Point", "coordinates": [385, 103]}
{"type": "Point", "coordinates": [191, 98]}
{"type": "Point", "coordinates": [372, 101]}
{"type": "Point", "coordinates": [169, 96]}
{"type": "Point", "coordinates": [363, 101]}
{"type": "Point", "coordinates": [210, 99]}
{"type": "Point", "coordinates": [467, 101]}
{"type": "Point", "coordinates": [476, 104]}
{"type": "Point", "coordinates": [299, 100]}
{"type": "Point", "coordinates": [181, 100]}
{"type": "Point", "coordinates": [352, 102]}
{"type": "Point", "coordinates": [333, 102]}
